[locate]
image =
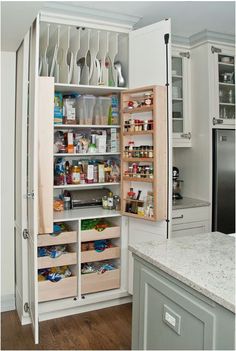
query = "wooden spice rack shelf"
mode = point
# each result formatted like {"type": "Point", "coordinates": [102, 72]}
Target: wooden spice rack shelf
{"type": "Point", "coordinates": [156, 187]}
{"type": "Point", "coordinates": [140, 132]}
{"type": "Point", "coordinates": [141, 109]}
{"type": "Point", "coordinates": [136, 179]}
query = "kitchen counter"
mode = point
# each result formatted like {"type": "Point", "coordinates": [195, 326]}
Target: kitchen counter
{"type": "Point", "coordinates": [204, 262]}
{"type": "Point", "coordinates": [188, 202]}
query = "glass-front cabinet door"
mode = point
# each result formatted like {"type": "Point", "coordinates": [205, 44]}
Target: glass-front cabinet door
{"type": "Point", "coordinates": [180, 98]}
{"type": "Point", "coordinates": [224, 87]}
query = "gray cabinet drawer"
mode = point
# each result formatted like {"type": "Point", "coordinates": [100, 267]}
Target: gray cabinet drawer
{"type": "Point", "coordinates": [188, 215]}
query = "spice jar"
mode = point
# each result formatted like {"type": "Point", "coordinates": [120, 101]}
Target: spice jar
{"type": "Point", "coordinates": [145, 152]}
{"type": "Point", "coordinates": [148, 99]}
{"type": "Point", "coordinates": [150, 153]}
{"type": "Point", "coordinates": [145, 125]}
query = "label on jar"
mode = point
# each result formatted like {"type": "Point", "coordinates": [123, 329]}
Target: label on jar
{"type": "Point", "coordinates": [75, 177]}
{"type": "Point", "coordinates": [110, 202]}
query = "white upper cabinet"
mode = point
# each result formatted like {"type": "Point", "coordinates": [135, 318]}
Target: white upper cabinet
{"type": "Point", "coordinates": [181, 98]}
{"type": "Point", "coordinates": [222, 60]}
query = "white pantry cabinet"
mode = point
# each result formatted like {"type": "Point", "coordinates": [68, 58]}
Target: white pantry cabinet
{"type": "Point", "coordinates": [222, 59]}
{"type": "Point", "coordinates": [142, 54]}
{"type": "Point", "coordinates": [181, 96]}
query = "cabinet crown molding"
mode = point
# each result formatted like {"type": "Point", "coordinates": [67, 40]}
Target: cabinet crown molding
{"type": "Point", "coordinates": [203, 36]}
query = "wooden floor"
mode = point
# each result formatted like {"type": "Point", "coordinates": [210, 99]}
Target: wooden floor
{"type": "Point", "coordinates": [106, 329]}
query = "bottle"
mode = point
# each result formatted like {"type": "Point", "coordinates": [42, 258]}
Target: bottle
{"type": "Point", "coordinates": [75, 173]}
{"type": "Point", "coordinates": [110, 201]}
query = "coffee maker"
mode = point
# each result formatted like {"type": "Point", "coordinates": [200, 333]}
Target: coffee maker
{"type": "Point", "coordinates": [176, 194]}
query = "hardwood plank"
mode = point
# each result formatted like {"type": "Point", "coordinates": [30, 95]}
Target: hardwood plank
{"type": "Point", "coordinates": [106, 329]}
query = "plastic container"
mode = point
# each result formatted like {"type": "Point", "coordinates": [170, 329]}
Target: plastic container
{"type": "Point", "coordinates": [102, 110]}
{"type": "Point", "coordinates": [85, 108]}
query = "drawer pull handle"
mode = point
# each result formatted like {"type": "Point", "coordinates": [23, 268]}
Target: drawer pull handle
{"type": "Point", "coordinates": [178, 217]}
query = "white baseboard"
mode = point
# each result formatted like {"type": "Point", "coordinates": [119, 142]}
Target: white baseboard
{"type": "Point", "coordinates": [8, 303]}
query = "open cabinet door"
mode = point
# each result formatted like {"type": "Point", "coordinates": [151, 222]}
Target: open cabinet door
{"type": "Point", "coordinates": [147, 55]}
{"type": "Point", "coordinates": [33, 178]}
{"type": "Point", "coordinates": [150, 65]}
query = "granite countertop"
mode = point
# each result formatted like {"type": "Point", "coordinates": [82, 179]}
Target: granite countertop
{"type": "Point", "coordinates": [188, 202]}
{"type": "Point", "coordinates": [205, 262]}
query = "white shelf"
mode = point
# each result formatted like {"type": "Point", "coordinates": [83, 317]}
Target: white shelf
{"type": "Point", "coordinates": [227, 84]}
{"type": "Point", "coordinates": [91, 126]}
{"type": "Point", "coordinates": [226, 64]}
{"type": "Point", "coordinates": [87, 89]}
{"type": "Point", "coordinates": [177, 99]}
{"type": "Point", "coordinates": [226, 104]}
{"type": "Point", "coordinates": [87, 154]}
{"type": "Point", "coordinates": [84, 213]}
{"type": "Point", "coordinates": [83, 186]}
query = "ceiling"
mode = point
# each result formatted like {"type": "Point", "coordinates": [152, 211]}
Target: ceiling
{"type": "Point", "coordinates": [188, 17]}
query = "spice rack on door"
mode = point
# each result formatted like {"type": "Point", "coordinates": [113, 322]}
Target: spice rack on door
{"type": "Point", "coordinates": [144, 167]}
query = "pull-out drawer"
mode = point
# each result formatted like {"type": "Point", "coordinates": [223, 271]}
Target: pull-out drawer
{"type": "Point", "coordinates": [93, 255]}
{"type": "Point", "coordinates": [188, 215]}
{"type": "Point", "coordinates": [94, 282]}
{"type": "Point", "coordinates": [65, 259]}
{"type": "Point", "coordinates": [93, 234]}
{"type": "Point", "coordinates": [62, 238]}
{"type": "Point", "coordinates": [66, 287]}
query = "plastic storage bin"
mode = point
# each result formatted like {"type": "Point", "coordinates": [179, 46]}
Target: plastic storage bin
{"type": "Point", "coordinates": [102, 110]}
{"type": "Point", "coordinates": [85, 108]}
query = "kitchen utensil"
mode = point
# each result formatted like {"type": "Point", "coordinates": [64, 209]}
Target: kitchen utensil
{"type": "Point", "coordinates": [70, 57]}
{"type": "Point", "coordinates": [121, 80]}
{"type": "Point", "coordinates": [108, 65]}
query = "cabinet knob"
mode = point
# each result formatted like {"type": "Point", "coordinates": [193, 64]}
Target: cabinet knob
{"type": "Point", "coordinates": [186, 135]}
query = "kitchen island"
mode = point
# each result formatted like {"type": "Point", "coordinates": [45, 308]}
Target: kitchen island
{"type": "Point", "coordinates": [184, 293]}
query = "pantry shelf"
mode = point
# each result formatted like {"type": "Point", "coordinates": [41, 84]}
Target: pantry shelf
{"type": "Point", "coordinates": [141, 132]}
{"type": "Point", "coordinates": [135, 179]}
{"type": "Point", "coordinates": [79, 186]}
{"type": "Point", "coordinates": [138, 109]}
{"type": "Point", "coordinates": [86, 154]}
{"type": "Point", "coordinates": [96, 90]}
{"type": "Point", "coordinates": [84, 213]}
{"type": "Point", "coordinates": [82, 126]}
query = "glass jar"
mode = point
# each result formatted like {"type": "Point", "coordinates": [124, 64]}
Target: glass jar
{"type": "Point", "coordinates": [150, 152]}
{"type": "Point", "coordinates": [110, 201]}
{"type": "Point", "coordinates": [66, 203]}
{"type": "Point", "coordinates": [75, 174]}
{"type": "Point", "coordinates": [105, 202]}
{"type": "Point", "coordinates": [116, 204]}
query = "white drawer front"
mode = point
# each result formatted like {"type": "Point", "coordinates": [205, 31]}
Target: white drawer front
{"type": "Point", "coordinates": [189, 215]}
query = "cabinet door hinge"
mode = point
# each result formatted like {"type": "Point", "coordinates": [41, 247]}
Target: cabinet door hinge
{"type": "Point", "coordinates": [25, 234]}
{"type": "Point", "coordinates": [217, 121]}
{"type": "Point", "coordinates": [215, 50]}
{"type": "Point", "coordinates": [30, 195]}
{"type": "Point", "coordinates": [26, 307]}
{"type": "Point", "coordinates": [185, 54]}
{"type": "Point", "coordinates": [186, 135]}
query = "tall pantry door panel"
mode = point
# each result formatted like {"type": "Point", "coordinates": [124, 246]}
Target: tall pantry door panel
{"type": "Point", "coordinates": [148, 62]}
{"type": "Point", "coordinates": [21, 245]}
{"type": "Point", "coordinates": [45, 150]}
{"type": "Point", "coordinates": [147, 55]}
{"type": "Point", "coordinates": [33, 177]}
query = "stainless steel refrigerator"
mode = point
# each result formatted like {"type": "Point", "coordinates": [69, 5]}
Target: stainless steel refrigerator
{"type": "Point", "coordinates": [223, 210]}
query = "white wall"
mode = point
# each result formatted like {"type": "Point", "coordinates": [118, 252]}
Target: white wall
{"type": "Point", "coordinates": [8, 60]}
